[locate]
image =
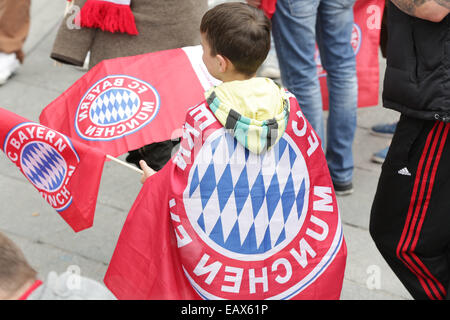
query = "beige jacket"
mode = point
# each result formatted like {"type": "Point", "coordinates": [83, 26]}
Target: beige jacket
{"type": "Point", "coordinates": [14, 26]}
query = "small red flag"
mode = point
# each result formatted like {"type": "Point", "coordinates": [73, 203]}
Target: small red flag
{"type": "Point", "coordinates": [220, 222]}
{"type": "Point", "coordinates": [125, 103]}
{"type": "Point", "coordinates": [66, 173]}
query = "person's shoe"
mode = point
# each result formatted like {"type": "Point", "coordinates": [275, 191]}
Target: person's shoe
{"type": "Point", "coordinates": [378, 157]}
{"type": "Point", "coordinates": [8, 65]}
{"type": "Point", "coordinates": [384, 130]}
{"type": "Point", "coordinates": [343, 189]}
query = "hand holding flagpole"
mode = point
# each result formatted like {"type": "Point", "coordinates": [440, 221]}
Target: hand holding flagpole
{"type": "Point", "coordinates": [147, 171]}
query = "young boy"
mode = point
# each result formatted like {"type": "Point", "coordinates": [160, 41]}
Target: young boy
{"type": "Point", "coordinates": [236, 67]}
{"type": "Point", "coordinates": [246, 208]}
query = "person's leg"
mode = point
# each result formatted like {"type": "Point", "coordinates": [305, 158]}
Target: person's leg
{"type": "Point", "coordinates": [14, 25]}
{"type": "Point", "coordinates": [294, 34]}
{"type": "Point", "coordinates": [409, 217]}
{"type": "Point", "coordinates": [334, 31]}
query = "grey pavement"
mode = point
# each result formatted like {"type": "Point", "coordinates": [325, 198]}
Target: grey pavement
{"type": "Point", "coordinates": [50, 244]}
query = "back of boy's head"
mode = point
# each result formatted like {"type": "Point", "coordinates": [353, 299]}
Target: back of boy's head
{"type": "Point", "coordinates": [14, 268]}
{"type": "Point", "coordinates": [238, 32]}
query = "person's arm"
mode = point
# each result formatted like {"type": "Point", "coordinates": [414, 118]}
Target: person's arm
{"type": "Point", "coordinates": [432, 10]}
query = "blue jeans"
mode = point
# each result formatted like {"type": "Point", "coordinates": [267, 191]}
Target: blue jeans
{"type": "Point", "coordinates": [297, 26]}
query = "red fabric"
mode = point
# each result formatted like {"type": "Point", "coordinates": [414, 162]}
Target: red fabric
{"type": "Point", "coordinates": [145, 264]}
{"type": "Point", "coordinates": [171, 86]}
{"type": "Point", "coordinates": [160, 250]}
{"type": "Point", "coordinates": [66, 173]}
{"type": "Point", "coordinates": [365, 42]}
{"type": "Point", "coordinates": [108, 16]}
{"type": "Point", "coordinates": [30, 290]}
{"type": "Point", "coordinates": [268, 6]}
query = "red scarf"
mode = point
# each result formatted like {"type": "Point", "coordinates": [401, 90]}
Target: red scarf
{"type": "Point", "coordinates": [268, 6]}
{"type": "Point", "coordinates": [109, 15]}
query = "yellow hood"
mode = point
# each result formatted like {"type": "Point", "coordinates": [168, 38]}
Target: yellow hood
{"type": "Point", "coordinates": [256, 111]}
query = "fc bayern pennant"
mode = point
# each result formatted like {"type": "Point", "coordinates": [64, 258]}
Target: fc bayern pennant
{"type": "Point", "coordinates": [125, 103]}
{"type": "Point", "coordinates": [234, 224]}
{"type": "Point", "coordinates": [66, 174]}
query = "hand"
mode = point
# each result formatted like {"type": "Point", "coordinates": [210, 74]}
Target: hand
{"type": "Point", "coordinates": [147, 171]}
{"type": "Point", "coordinates": [254, 3]}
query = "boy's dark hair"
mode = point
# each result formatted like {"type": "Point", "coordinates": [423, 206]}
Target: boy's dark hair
{"type": "Point", "coordinates": [238, 32]}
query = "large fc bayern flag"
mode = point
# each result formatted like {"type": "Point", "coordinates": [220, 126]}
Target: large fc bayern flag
{"type": "Point", "coordinates": [66, 173]}
{"type": "Point", "coordinates": [220, 222]}
{"type": "Point", "coordinates": [125, 103]}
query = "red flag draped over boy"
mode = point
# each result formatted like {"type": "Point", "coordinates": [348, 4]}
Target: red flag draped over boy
{"type": "Point", "coordinates": [66, 173]}
{"type": "Point", "coordinates": [221, 222]}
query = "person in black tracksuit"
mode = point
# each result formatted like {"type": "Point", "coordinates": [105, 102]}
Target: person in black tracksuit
{"type": "Point", "coordinates": [410, 216]}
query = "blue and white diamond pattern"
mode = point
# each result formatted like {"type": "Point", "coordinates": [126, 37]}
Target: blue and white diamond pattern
{"type": "Point", "coordinates": [113, 106]}
{"type": "Point", "coordinates": [243, 202]}
{"type": "Point", "coordinates": [44, 166]}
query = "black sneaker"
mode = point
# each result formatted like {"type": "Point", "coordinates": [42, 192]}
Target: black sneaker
{"type": "Point", "coordinates": [343, 189]}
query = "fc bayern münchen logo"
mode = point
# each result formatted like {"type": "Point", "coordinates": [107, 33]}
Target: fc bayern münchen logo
{"type": "Point", "coordinates": [242, 207]}
{"type": "Point", "coordinates": [116, 106]}
{"type": "Point", "coordinates": [46, 158]}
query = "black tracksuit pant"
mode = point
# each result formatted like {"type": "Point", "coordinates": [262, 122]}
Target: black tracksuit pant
{"type": "Point", "coordinates": [410, 216]}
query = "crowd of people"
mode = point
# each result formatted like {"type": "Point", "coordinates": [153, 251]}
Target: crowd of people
{"type": "Point", "coordinates": [410, 204]}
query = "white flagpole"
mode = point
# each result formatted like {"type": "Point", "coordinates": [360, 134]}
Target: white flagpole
{"type": "Point", "coordinates": [124, 164]}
